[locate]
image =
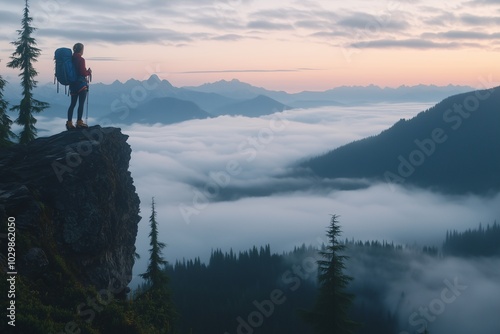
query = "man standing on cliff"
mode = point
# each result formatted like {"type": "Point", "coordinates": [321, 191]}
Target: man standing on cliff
{"type": "Point", "coordinates": [79, 88]}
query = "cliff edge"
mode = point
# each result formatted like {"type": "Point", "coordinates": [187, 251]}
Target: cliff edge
{"type": "Point", "coordinates": [74, 205]}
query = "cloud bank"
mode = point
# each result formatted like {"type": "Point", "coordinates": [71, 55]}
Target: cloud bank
{"type": "Point", "coordinates": [219, 183]}
{"type": "Point", "coordinates": [444, 295]}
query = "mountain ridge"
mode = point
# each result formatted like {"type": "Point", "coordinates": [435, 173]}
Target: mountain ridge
{"type": "Point", "coordinates": [218, 98]}
{"type": "Point", "coordinates": [452, 147]}
{"type": "Point", "coordinates": [338, 95]}
{"type": "Point", "coordinates": [103, 96]}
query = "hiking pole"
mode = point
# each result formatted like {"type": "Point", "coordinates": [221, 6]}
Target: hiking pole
{"type": "Point", "coordinates": [88, 95]}
{"type": "Point", "coordinates": [87, 112]}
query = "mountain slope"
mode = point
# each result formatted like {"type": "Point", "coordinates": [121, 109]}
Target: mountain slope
{"type": "Point", "coordinates": [258, 106]}
{"type": "Point", "coordinates": [452, 147]}
{"type": "Point", "coordinates": [165, 110]}
{"type": "Point", "coordinates": [233, 89]}
{"type": "Point", "coordinates": [206, 101]}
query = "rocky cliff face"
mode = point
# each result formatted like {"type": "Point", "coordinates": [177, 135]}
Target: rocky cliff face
{"type": "Point", "coordinates": [74, 202]}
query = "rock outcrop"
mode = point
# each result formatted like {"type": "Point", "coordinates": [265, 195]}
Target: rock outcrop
{"type": "Point", "coordinates": [73, 201]}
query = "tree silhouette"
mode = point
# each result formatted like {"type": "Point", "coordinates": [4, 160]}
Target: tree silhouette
{"type": "Point", "coordinates": [330, 312]}
{"type": "Point", "coordinates": [155, 303]}
{"type": "Point", "coordinates": [155, 274]}
{"type": "Point", "coordinates": [5, 132]}
{"type": "Point", "coordinates": [23, 58]}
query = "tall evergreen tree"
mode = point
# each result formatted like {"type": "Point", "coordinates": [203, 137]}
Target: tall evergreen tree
{"type": "Point", "coordinates": [155, 303]}
{"type": "Point", "coordinates": [155, 274]}
{"type": "Point", "coordinates": [330, 313]}
{"type": "Point", "coordinates": [6, 135]}
{"type": "Point", "coordinates": [23, 58]}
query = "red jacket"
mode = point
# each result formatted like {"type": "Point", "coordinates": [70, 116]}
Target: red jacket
{"type": "Point", "coordinates": [81, 83]}
{"type": "Point", "coordinates": [79, 62]}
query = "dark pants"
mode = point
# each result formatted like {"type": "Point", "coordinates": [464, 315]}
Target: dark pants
{"type": "Point", "coordinates": [80, 97]}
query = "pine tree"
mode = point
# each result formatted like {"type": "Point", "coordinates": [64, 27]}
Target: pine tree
{"type": "Point", "coordinates": [155, 303]}
{"type": "Point", "coordinates": [6, 135]}
{"type": "Point", "coordinates": [23, 58]}
{"type": "Point", "coordinates": [330, 313]}
{"type": "Point", "coordinates": [155, 274]}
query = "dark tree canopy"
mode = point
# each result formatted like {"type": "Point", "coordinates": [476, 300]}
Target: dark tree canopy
{"type": "Point", "coordinates": [473, 242]}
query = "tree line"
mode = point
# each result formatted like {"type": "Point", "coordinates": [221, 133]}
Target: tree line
{"type": "Point", "coordinates": [473, 242]}
{"type": "Point", "coordinates": [258, 291]}
{"type": "Point", "coordinates": [231, 293]}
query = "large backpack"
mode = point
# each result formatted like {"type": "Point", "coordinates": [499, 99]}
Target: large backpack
{"type": "Point", "coordinates": [65, 70]}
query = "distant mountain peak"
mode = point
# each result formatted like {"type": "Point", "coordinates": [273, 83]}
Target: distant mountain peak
{"type": "Point", "coordinates": [131, 81]}
{"type": "Point", "coordinates": [154, 76]}
{"type": "Point", "coordinates": [225, 83]}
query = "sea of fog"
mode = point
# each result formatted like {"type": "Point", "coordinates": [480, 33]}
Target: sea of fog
{"type": "Point", "coordinates": [190, 167]}
{"type": "Point", "coordinates": [221, 183]}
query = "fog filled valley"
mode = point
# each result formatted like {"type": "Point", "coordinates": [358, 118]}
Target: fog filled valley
{"type": "Point", "coordinates": [250, 167]}
{"type": "Point", "coordinates": [240, 223]}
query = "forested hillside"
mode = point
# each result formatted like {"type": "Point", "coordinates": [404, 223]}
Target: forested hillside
{"type": "Point", "coordinates": [451, 147]}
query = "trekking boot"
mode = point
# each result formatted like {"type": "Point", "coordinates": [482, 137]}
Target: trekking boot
{"type": "Point", "coordinates": [81, 125]}
{"type": "Point", "coordinates": [69, 125]}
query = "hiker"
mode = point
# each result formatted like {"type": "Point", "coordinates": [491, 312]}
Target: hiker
{"type": "Point", "coordinates": [79, 88]}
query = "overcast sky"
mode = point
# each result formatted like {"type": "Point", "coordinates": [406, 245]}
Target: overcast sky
{"type": "Point", "coordinates": [288, 45]}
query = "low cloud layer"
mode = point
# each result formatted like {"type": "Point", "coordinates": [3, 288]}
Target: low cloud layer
{"type": "Point", "coordinates": [444, 295]}
{"type": "Point", "coordinates": [192, 168]}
